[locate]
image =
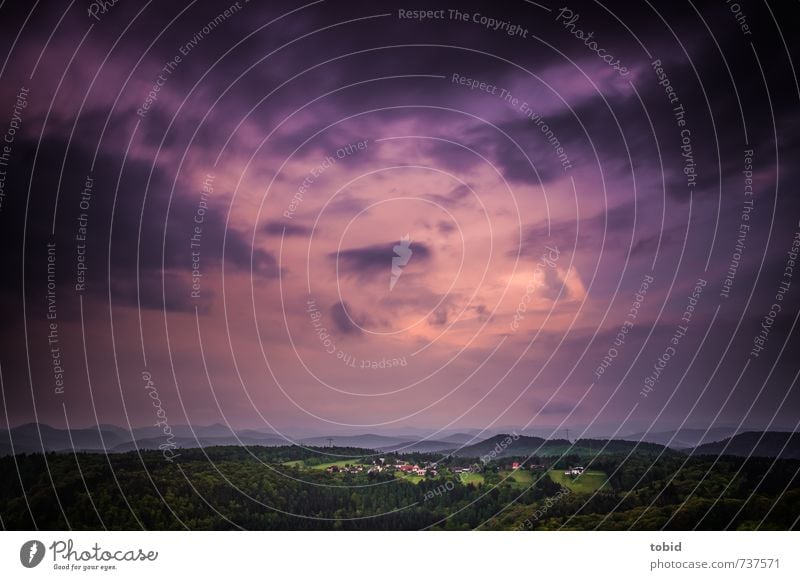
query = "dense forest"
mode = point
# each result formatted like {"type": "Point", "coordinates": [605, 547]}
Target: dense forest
{"type": "Point", "coordinates": [288, 488]}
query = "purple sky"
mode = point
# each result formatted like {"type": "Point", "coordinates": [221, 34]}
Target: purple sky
{"type": "Point", "coordinates": [299, 144]}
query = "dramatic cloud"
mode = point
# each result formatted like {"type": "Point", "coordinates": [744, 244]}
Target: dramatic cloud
{"type": "Point", "coordinates": [278, 228]}
{"type": "Point", "coordinates": [365, 262]}
{"type": "Point", "coordinates": [251, 182]}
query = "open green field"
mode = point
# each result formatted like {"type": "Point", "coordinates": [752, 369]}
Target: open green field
{"type": "Point", "coordinates": [589, 482]}
{"type": "Point", "coordinates": [341, 463]}
{"type": "Point", "coordinates": [474, 478]}
{"type": "Point", "coordinates": [520, 477]}
{"type": "Point", "coordinates": [299, 463]}
{"type": "Point", "coordinates": [408, 476]}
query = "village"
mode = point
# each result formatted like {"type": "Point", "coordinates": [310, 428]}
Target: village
{"type": "Point", "coordinates": [380, 465]}
{"type": "Point", "coordinates": [431, 469]}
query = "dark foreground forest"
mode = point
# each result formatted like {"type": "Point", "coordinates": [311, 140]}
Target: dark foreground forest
{"type": "Point", "coordinates": [291, 488]}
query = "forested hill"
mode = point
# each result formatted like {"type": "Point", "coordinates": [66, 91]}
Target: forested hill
{"type": "Point", "coordinates": [294, 488]}
{"type": "Point", "coordinates": [235, 488]}
{"type": "Point", "coordinates": [758, 444]}
{"type": "Point", "coordinates": [518, 446]}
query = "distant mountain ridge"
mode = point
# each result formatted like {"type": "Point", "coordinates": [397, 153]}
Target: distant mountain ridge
{"type": "Point", "coordinates": [521, 445]}
{"type": "Point", "coordinates": [35, 438]}
{"type": "Point", "coordinates": [683, 438]}
{"type": "Point", "coordinates": [781, 444]}
{"type": "Point", "coordinates": [114, 439]}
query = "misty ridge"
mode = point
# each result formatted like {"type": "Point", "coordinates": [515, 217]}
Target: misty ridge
{"type": "Point", "coordinates": [38, 437]}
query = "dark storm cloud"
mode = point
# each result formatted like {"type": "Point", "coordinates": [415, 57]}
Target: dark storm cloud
{"type": "Point", "coordinates": [438, 317]}
{"type": "Point", "coordinates": [144, 234]}
{"type": "Point", "coordinates": [445, 228]}
{"type": "Point", "coordinates": [279, 228]}
{"type": "Point", "coordinates": [557, 407]}
{"type": "Point", "coordinates": [344, 323]}
{"type": "Point", "coordinates": [366, 261]}
{"type": "Point", "coordinates": [647, 244]}
{"type": "Point", "coordinates": [346, 205]}
{"type": "Point", "coordinates": [457, 196]}
{"type": "Point", "coordinates": [454, 158]}
{"type": "Point", "coordinates": [612, 228]}
{"type": "Point", "coordinates": [171, 296]}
